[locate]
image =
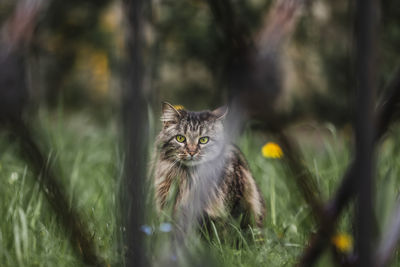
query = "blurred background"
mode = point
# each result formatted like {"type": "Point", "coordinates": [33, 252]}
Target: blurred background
{"type": "Point", "coordinates": [75, 70]}
{"type": "Point", "coordinates": [77, 49]}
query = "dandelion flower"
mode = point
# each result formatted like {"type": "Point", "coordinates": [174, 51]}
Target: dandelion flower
{"type": "Point", "coordinates": [272, 150]}
{"type": "Point", "coordinates": [343, 242]}
{"type": "Point", "coordinates": [179, 107]}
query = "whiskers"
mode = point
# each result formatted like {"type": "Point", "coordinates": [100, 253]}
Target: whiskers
{"type": "Point", "coordinates": [199, 156]}
{"type": "Point", "coordinates": [182, 156]}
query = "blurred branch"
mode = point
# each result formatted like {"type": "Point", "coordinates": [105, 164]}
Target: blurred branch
{"type": "Point", "coordinates": [18, 29]}
{"type": "Point", "coordinates": [279, 24]}
{"type": "Point", "coordinates": [15, 38]}
{"type": "Point", "coordinates": [15, 35]}
{"type": "Point", "coordinates": [366, 36]}
{"type": "Point", "coordinates": [135, 130]}
{"type": "Point", "coordinates": [255, 63]}
{"type": "Point", "coordinates": [257, 81]}
{"type": "Point", "coordinates": [385, 116]}
{"type": "Point", "coordinates": [303, 177]}
{"type": "Point", "coordinates": [332, 210]}
{"type": "Point", "coordinates": [234, 32]}
{"type": "Point", "coordinates": [55, 194]}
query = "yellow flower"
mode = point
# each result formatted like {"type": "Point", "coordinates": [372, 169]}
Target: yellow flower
{"type": "Point", "coordinates": [343, 242]}
{"type": "Point", "coordinates": [179, 107]}
{"type": "Point", "coordinates": [272, 150]}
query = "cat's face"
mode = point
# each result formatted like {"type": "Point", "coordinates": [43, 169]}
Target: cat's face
{"type": "Point", "coordinates": [191, 138]}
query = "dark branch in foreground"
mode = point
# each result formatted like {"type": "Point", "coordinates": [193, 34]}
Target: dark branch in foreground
{"type": "Point", "coordinates": [366, 32]}
{"type": "Point", "coordinates": [135, 132]}
{"type": "Point", "coordinates": [385, 116]}
{"type": "Point", "coordinates": [14, 40]}
{"type": "Point", "coordinates": [69, 218]}
{"type": "Point", "coordinates": [303, 177]}
{"type": "Point", "coordinates": [254, 62]}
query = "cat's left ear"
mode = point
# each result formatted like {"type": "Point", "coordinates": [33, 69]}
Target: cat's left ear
{"type": "Point", "coordinates": [169, 114]}
{"type": "Point", "coordinates": [220, 112]}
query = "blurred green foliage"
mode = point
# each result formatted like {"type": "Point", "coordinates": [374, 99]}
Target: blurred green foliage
{"type": "Point", "coordinates": [328, 31]}
{"type": "Point", "coordinates": [76, 61]}
{"type": "Point", "coordinates": [91, 169]}
{"type": "Point", "coordinates": [78, 52]}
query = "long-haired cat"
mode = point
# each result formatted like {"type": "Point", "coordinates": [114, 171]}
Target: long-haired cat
{"type": "Point", "coordinates": [212, 176]}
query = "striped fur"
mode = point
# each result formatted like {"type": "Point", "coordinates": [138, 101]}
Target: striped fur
{"type": "Point", "coordinates": [219, 168]}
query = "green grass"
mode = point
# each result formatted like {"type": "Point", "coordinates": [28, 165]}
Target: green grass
{"type": "Point", "coordinates": [89, 159]}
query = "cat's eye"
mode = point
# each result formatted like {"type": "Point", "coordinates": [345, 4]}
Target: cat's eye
{"type": "Point", "coordinates": [180, 138]}
{"type": "Point", "coordinates": [203, 140]}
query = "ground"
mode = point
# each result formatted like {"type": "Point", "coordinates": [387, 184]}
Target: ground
{"type": "Point", "coordinates": [87, 154]}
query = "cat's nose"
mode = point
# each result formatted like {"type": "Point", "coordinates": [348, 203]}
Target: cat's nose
{"type": "Point", "coordinates": [191, 149]}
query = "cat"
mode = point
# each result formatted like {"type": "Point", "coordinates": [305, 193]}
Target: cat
{"type": "Point", "coordinates": [191, 151]}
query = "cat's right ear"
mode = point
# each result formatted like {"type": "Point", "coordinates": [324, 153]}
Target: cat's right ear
{"type": "Point", "coordinates": [170, 115]}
